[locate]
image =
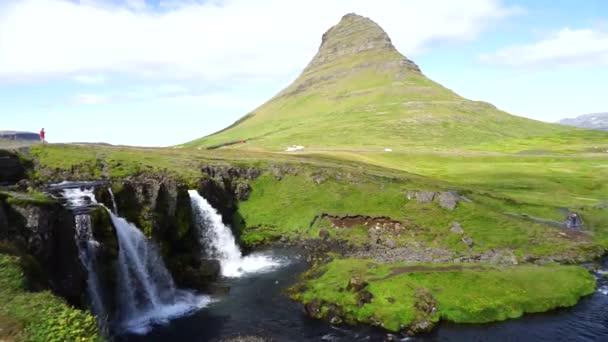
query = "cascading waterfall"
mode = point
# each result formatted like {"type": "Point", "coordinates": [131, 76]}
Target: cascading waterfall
{"type": "Point", "coordinates": [219, 242]}
{"type": "Point", "coordinates": [146, 291]}
{"type": "Point", "coordinates": [114, 207]}
{"type": "Point", "coordinates": [79, 199]}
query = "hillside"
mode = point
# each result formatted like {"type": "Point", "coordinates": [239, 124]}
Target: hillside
{"type": "Point", "coordinates": [597, 121]}
{"type": "Point", "coordinates": [359, 92]}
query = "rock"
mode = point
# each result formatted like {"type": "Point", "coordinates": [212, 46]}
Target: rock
{"type": "Point", "coordinates": [426, 308]}
{"type": "Point", "coordinates": [390, 243]}
{"type": "Point", "coordinates": [410, 195]}
{"type": "Point", "coordinates": [456, 228]}
{"type": "Point", "coordinates": [365, 297]}
{"type": "Point", "coordinates": [319, 178]}
{"type": "Point", "coordinates": [242, 191]}
{"type": "Point", "coordinates": [277, 172]}
{"type": "Point", "coordinates": [468, 241]}
{"type": "Point", "coordinates": [448, 200]}
{"type": "Point", "coordinates": [313, 308]}
{"type": "Point", "coordinates": [12, 169]}
{"type": "Point", "coordinates": [425, 196]}
{"type": "Point", "coordinates": [323, 234]}
{"type": "Point", "coordinates": [356, 284]}
{"type": "Point", "coordinates": [336, 320]}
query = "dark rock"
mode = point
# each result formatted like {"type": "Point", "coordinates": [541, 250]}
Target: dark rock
{"type": "Point", "coordinates": [356, 284]}
{"type": "Point", "coordinates": [426, 309]}
{"type": "Point", "coordinates": [313, 308]}
{"type": "Point", "coordinates": [242, 191]}
{"type": "Point", "coordinates": [12, 169]}
{"type": "Point", "coordinates": [448, 200]}
{"type": "Point", "coordinates": [323, 234]}
{"type": "Point", "coordinates": [425, 196]}
{"type": "Point", "coordinates": [365, 297]}
{"type": "Point", "coordinates": [456, 228]}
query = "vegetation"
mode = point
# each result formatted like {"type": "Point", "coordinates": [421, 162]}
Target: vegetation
{"type": "Point", "coordinates": [458, 293]}
{"type": "Point", "coordinates": [26, 316]}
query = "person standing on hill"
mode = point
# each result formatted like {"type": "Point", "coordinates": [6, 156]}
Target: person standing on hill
{"type": "Point", "coordinates": [42, 134]}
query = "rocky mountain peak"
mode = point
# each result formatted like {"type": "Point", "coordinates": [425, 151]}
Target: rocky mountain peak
{"type": "Point", "coordinates": [353, 35]}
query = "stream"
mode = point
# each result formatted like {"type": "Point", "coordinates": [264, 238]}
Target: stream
{"type": "Point", "coordinates": [255, 306]}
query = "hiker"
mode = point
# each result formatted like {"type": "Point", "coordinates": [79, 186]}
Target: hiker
{"type": "Point", "coordinates": [42, 134]}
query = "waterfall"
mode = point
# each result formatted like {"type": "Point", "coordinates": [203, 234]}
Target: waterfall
{"type": "Point", "coordinates": [114, 207]}
{"type": "Point", "coordinates": [146, 291]}
{"type": "Point", "coordinates": [79, 199]}
{"type": "Point", "coordinates": [219, 243]}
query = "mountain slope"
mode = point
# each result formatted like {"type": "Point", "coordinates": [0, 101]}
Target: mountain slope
{"type": "Point", "coordinates": [359, 92]}
{"type": "Point", "coordinates": [597, 121]}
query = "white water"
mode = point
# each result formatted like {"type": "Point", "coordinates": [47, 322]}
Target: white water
{"type": "Point", "coordinates": [87, 247]}
{"type": "Point", "coordinates": [146, 291]}
{"type": "Point", "coordinates": [219, 243]}
{"type": "Point", "coordinates": [114, 208]}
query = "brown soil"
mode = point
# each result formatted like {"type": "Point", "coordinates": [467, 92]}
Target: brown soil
{"type": "Point", "coordinates": [360, 220]}
{"type": "Point", "coordinates": [408, 269]}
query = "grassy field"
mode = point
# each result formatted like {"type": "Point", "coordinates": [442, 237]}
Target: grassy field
{"type": "Point", "coordinates": [459, 293]}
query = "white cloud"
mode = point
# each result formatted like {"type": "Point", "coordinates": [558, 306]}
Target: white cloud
{"type": "Point", "coordinates": [91, 99]}
{"type": "Point", "coordinates": [567, 47]}
{"type": "Point", "coordinates": [230, 40]}
{"type": "Point", "coordinates": [89, 79]}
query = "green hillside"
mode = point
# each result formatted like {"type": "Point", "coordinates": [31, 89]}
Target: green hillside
{"type": "Point", "coordinates": [359, 92]}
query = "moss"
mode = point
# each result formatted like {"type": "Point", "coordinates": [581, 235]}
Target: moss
{"type": "Point", "coordinates": [27, 198]}
{"type": "Point", "coordinates": [465, 294]}
{"type": "Point", "coordinates": [38, 316]}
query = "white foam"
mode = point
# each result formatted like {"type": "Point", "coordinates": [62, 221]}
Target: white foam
{"type": "Point", "coordinates": [219, 243]}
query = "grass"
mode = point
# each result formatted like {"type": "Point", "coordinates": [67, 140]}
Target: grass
{"type": "Point", "coordinates": [26, 316]}
{"type": "Point", "coordinates": [465, 294]}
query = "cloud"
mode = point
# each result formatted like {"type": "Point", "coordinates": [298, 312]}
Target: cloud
{"type": "Point", "coordinates": [89, 79]}
{"type": "Point", "coordinates": [215, 41]}
{"type": "Point", "coordinates": [91, 99]}
{"type": "Point", "coordinates": [567, 47]}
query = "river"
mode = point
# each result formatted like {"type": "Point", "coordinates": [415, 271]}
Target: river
{"type": "Point", "coordinates": [255, 305]}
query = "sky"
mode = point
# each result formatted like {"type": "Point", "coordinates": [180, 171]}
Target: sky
{"type": "Point", "coordinates": [164, 72]}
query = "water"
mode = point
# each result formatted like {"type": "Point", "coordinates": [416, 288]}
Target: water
{"type": "Point", "coordinates": [79, 199]}
{"type": "Point", "coordinates": [219, 242]}
{"type": "Point", "coordinates": [114, 207]}
{"type": "Point", "coordinates": [257, 306]}
{"type": "Point", "coordinates": [146, 292]}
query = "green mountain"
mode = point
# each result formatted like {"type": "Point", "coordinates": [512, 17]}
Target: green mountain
{"type": "Point", "coordinates": [359, 92]}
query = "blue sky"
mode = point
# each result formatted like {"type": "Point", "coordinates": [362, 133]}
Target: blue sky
{"type": "Point", "coordinates": [162, 72]}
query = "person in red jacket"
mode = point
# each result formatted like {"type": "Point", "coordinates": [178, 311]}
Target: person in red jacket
{"type": "Point", "coordinates": [42, 134]}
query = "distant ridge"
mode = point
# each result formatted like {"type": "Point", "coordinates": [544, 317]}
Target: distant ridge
{"type": "Point", "coordinates": [18, 135]}
{"type": "Point", "coordinates": [359, 93]}
{"type": "Point", "coordinates": [598, 121]}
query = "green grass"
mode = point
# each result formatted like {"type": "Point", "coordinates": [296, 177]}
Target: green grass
{"type": "Point", "coordinates": [38, 316]}
{"type": "Point", "coordinates": [468, 295]}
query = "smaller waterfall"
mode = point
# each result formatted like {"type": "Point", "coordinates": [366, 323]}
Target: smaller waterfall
{"type": "Point", "coordinates": [114, 207]}
{"type": "Point", "coordinates": [219, 243]}
{"type": "Point", "coordinates": [146, 292]}
{"type": "Point", "coordinates": [79, 199]}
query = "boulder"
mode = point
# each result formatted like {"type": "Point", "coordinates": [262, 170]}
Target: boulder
{"type": "Point", "coordinates": [356, 284]}
{"type": "Point", "coordinates": [456, 228]}
{"type": "Point", "coordinates": [242, 191]}
{"type": "Point", "coordinates": [365, 297]}
{"type": "Point", "coordinates": [468, 241]}
{"type": "Point", "coordinates": [448, 200]}
{"type": "Point", "coordinates": [425, 196]}
{"type": "Point", "coordinates": [313, 308]}
{"type": "Point", "coordinates": [323, 234]}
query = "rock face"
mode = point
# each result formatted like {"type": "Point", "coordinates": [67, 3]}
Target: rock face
{"type": "Point", "coordinates": [354, 34]}
{"type": "Point", "coordinates": [12, 169]}
{"type": "Point", "coordinates": [597, 121]}
{"type": "Point", "coordinates": [447, 200]}
{"type": "Point", "coordinates": [44, 235]}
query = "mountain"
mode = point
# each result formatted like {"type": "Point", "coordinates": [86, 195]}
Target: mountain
{"type": "Point", "coordinates": [17, 135]}
{"type": "Point", "coordinates": [359, 92]}
{"type": "Point", "coordinates": [597, 121]}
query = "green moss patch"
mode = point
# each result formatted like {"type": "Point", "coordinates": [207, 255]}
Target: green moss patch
{"type": "Point", "coordinates": [40, 316]}
{"type": "Point", "coordinates": [461, 293]}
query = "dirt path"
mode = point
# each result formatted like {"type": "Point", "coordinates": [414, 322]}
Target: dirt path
{"type": "Point", "coordinates": [408, 269]}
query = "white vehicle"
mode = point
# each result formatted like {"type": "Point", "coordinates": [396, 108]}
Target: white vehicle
{"type": "Point", "coordinates": [294, 148]}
